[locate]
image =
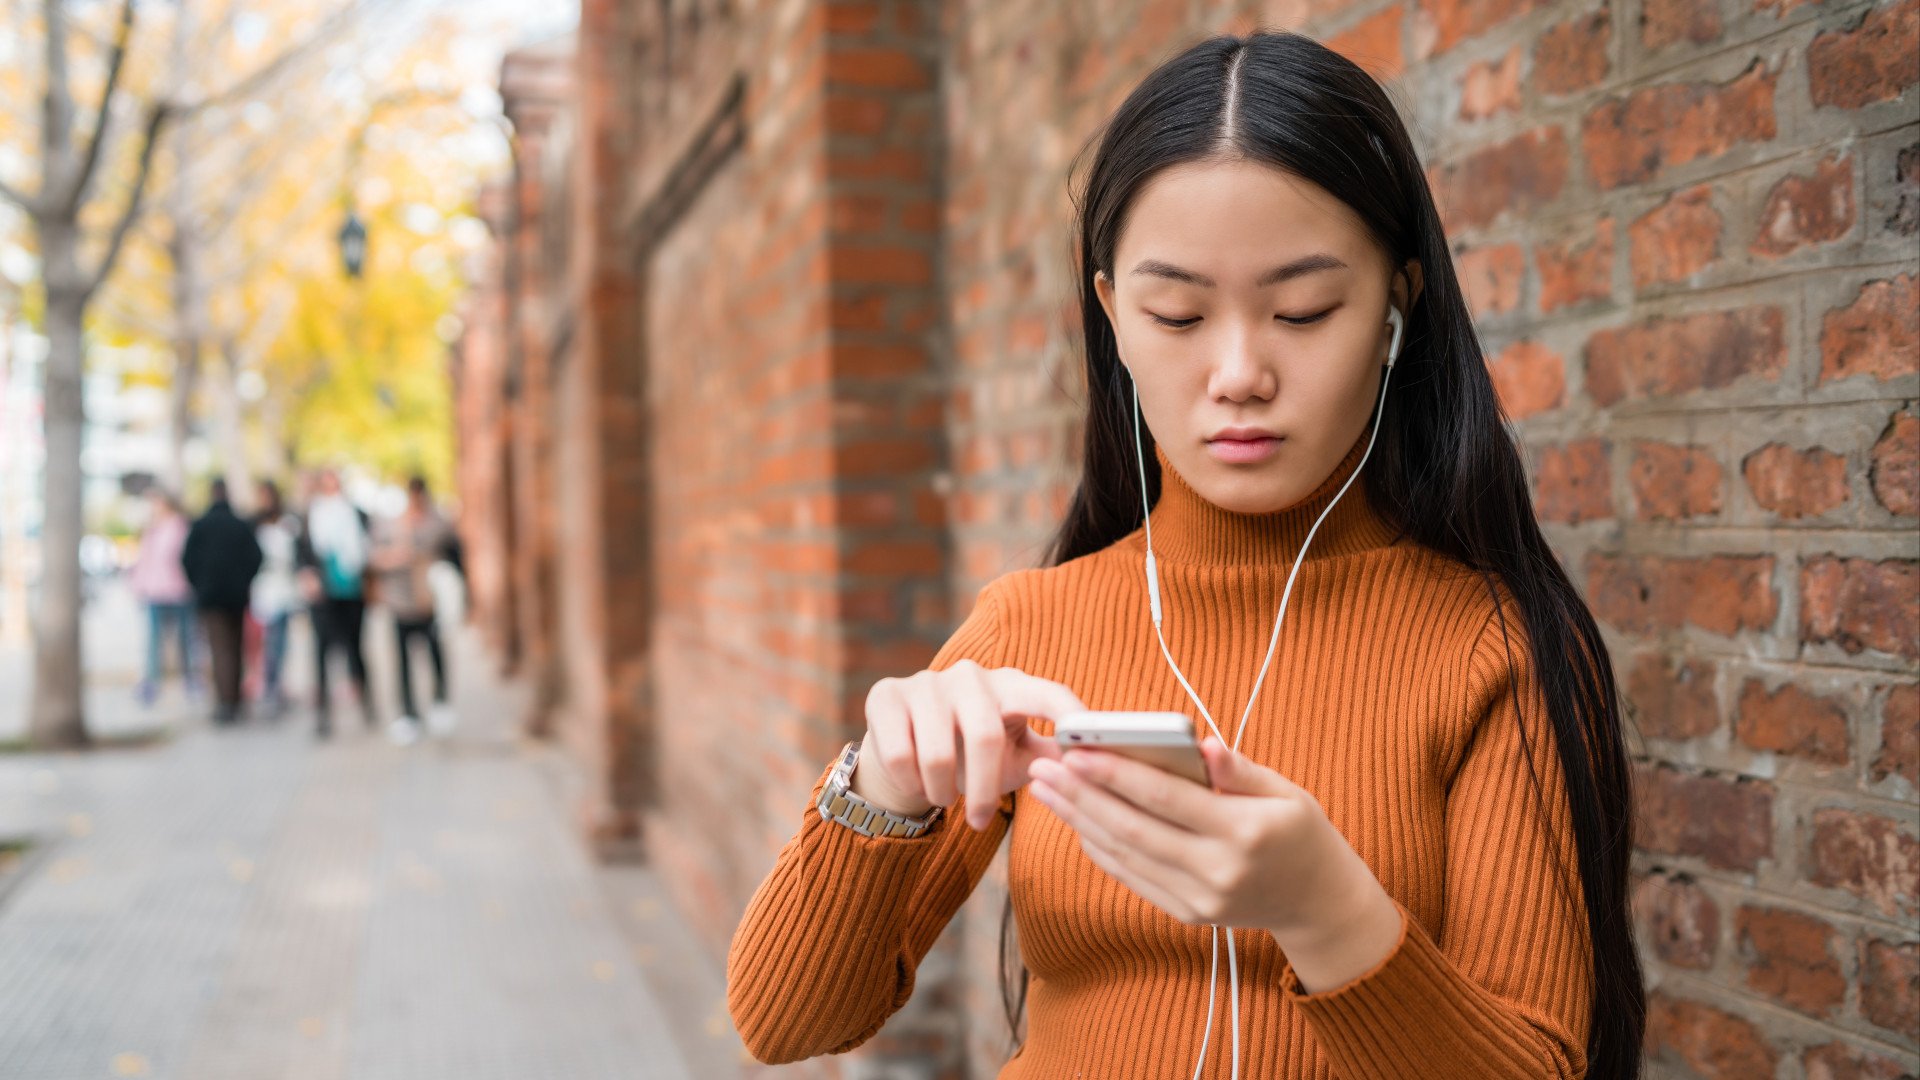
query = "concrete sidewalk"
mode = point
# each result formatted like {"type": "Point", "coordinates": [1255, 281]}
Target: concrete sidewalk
{"type": "Point", "coordinates": [254, 905]}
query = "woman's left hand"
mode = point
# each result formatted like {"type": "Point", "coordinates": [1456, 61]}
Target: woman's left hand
{"type": "Point", "coordinates": [1258, 851]}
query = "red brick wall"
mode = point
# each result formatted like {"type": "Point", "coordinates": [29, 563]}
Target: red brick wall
{"type": "Point", "coordinates": [794, 410]}
{"type": "Point", "coordinates": [479, 370]}
{"type": "Point", "coordinates": [537, 85]}
{"type": "Point", "coordinates": [1688, 228]}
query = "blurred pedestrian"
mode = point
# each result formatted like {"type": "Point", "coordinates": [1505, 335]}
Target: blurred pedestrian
{"type": "Point", "coordinates": [159, 580]}
{"type": "Point", "coordinates": [276, 592]}
{"type": "Point", "coordinates": [334, 551]}
{"type": "Point", "coordinates": [221, 558]}
{"type": "Point", "coordinates": [405, 549]}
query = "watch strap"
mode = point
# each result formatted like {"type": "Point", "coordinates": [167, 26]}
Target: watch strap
{"type": "Point", "coordinates": [839, 804]}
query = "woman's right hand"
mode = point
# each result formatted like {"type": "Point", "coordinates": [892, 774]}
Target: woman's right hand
{"type": "Point", "coordinates": [923, 731]}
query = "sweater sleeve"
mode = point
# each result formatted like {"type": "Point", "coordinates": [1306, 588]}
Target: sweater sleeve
{"type": "Point", "coordinates": [830, 941]}
{"type": "Point", "coordinates": [1502, 987]}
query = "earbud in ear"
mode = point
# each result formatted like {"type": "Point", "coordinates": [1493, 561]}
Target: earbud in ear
{"type": "Point", "coordinates": [1399, 324]}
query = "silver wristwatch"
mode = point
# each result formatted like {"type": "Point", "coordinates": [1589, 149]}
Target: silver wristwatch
{"type": "Point", "coordinates": [839, 803]}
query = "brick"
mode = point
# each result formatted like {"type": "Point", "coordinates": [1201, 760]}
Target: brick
{"type": "Point", "coordinates": [1529, 378]}
{"type": "Point", "coordinates": [1645, 594]}
{"type": "Point", "coordinates": [1790, 958]}
{"type": "Point", "coordinates": [908, 557]}
{"type": "Point", "coordinates": [1899, 753]}
{"type": "Point", "coordinates": [1575, 273]}
{"type": "Point", "coordinates": [1710, 1041]}
{"type": "Point", "coordinates": [860, 360]}
{"type": "Point", "coordinates": [1512, 177]}
{"type": "Point", "coordinates": [880, 264]}
{"type": "Point", "coordinates": [1374, 44]}
{"type": "Point", "coordinates": [1634, 139]}
{"type": "Point", "coordinates": [1793, 483]}
{"type": "Point", "coordinates": [866, 312]}
{"type": "Point", "coordinates": [882, 163]}
{"type": "Point", "coordinates": [853, 19]}
{"type": "Point", "coordinates": [874, 457]}
{"type": "Point", "coordinates": [1673, 700]}
{"type": "Point", "coordinates": [1868, 855]}
{"type": "Point", "coordinates": [1491, 87]}
{"type": "Point", "coordinates": [1448, 22]}
{"type": "Point", "coordinates": [1792, 721]}
{"type": "Point", "coordinates": [856, 114]}
{"type": "Point", "coordinates": [1805, 210]}
{"type": "Point", "coordinates": [1673, 483]}
{"type": "Point", "coordinates": [1878, 334]}
{"type": "Point", "coordinates": [1675, 240]}
{"type": "Point", "coordinates": [1727, 823]}
{"type": "Point", "coordinates": [1663, 357]}
{"type": "Point", "coordinates": [877, 69]}
{"type": "Point", "coordinates": [1896, 469]}
{"type": "Point", "coordinates": [1860, 604]}
{"type": "Point", "coordinates": [1491, 277]}
{"type": "Point", "coordinates": [1682, 922]}
{"type": "Point", "coordinates": [1664, 22]}
{"type": "Point", "coordinates": [1574, 482]}
{"type": "Point", "coordinates": [1875, 61]}
{"type": "Point", "coordinates": [859, 214]}
{"type": "Point", "coordinates": [1572, 55]}
{"type": "Point", "coordinates": [1838, 1061]}
{"type": "Point", "coordinates": [1890, 986]}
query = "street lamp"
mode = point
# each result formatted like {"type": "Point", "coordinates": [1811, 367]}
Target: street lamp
{"type": "Point", "coordinates": [353, 244]}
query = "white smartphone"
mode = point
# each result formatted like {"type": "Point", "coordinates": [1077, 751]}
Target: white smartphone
{"type": "Point", "coordinates": [1164, 740]}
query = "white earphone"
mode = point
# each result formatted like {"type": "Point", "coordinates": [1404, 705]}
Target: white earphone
{"type": "Point", "coordinates": [1398, 322]}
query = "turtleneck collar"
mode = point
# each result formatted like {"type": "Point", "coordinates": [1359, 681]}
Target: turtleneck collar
{"type": "Point", "coordinates": [1189, 529]}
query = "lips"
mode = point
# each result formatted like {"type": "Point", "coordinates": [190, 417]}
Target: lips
{"type": "Point", "coordinates": [1243, 434]}
{"type": "Point", "coordinates": [1241, 446]}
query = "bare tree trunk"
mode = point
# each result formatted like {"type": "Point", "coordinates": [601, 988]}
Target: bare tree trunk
{"type": "Point", "coordinates": [57, 714]}
{"type": "Point", "coordinates": [230, 428]}
{"type": "Point", "coordinates": [58, 717]}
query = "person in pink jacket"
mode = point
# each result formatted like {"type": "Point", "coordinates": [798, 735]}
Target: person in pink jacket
{"type": "Point", "coordinates": [160, 581]}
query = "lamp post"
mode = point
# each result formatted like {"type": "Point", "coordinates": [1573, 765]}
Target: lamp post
{"type": "Point", "coordinates": [353, 244]}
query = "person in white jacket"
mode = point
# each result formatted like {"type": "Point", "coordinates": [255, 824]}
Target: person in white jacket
{"type": "Point", "coordinates": [276, 591]}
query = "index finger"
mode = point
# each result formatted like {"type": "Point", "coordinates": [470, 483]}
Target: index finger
{"type": "Point", "coordinates": [1021, 694]}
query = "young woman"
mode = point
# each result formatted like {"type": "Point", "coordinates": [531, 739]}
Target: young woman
{"type": "Point", "coordinates": [276, 591]}
{"type": "Point", "coordinates": [159, 580]}
{"type": "Point", "coordinates": [1417, 855]}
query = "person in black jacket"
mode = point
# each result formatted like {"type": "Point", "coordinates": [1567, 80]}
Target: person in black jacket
{"type": "Point", "coordinates": [221, 558]}
{"type": "Point", "coordinates": [333, 555]}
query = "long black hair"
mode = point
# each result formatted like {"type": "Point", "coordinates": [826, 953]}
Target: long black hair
{"type": "Point", "coordinates": [1445, 467]}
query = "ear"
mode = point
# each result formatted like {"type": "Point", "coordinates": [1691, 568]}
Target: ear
{"type": "Point", "coordinates": [1103, 288]}
{"type": "Point", "coordinates": [1407, 284]}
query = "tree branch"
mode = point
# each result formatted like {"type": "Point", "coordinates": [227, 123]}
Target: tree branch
{"type": "Point", "coordinates": [90, 159]}
{"type": "Point", "coordinates": [332, 25]}
{"type": "Point", "coordinates": [156, 120]}
{"type": "Point", "coordinates": [56, 107]}
{"type": "Point", "coordinates": [20, 198]}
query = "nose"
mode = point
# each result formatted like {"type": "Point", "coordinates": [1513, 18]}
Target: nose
{"type": "Point", "coordinates": [1241, 367]}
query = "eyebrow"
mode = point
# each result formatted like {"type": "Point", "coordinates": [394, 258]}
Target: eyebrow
{"type": "Point", "coordinates": [1285, 272]}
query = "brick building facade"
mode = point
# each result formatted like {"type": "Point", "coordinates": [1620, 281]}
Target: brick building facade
{"type": "Point", "coordinates": [774, 367]}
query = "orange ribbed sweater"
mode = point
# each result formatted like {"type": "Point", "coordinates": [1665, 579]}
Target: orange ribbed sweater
{"type": "Point", "coordinates": [1390, 698]}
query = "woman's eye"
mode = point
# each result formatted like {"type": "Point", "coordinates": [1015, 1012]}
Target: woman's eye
{"type": "Point", "coordinates": [1175, 323]}
{"type": "Point", "coordinates": [1303, 320]}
